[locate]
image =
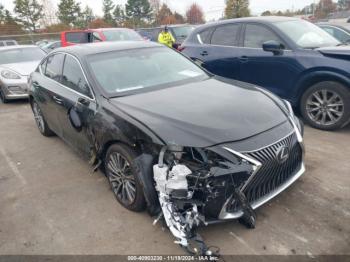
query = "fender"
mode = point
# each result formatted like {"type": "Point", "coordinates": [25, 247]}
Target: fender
{"type": "Point", "coordinates": [311, 78]}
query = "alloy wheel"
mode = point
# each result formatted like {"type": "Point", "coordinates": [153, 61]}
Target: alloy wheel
{"type": "Point", "coordinates": [38, 118]}
{"type": "Point", "coordinates": [121, 178]}
{"type": "Point", "coordinates": [325, 107]}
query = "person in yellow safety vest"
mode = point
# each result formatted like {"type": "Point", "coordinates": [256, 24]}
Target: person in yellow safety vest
{"type": "Point", "coordinates": [166, 38]}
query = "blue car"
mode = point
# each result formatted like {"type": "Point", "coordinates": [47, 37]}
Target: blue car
{"type": "Point", "coordinates": [290, 57]}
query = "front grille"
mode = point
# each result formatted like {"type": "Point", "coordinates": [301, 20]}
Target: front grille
{"type": "Point", "coordinates": [272, 173]}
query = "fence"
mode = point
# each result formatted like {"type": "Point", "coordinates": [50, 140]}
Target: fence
{"type": "Point", "coordinates": [30, 38]}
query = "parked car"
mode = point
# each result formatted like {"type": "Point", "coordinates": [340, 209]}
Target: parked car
{"type": "Point", "coordinates": [16, 63]}
{"type": "Point", "coordinates": [340, 32]}
{"type": "Point", "coordinates": [8, 43]}
{"type": "Point", "coordinates": [42, 42]}
{"type": "Point", "coordinates": [179, 32]}
{"type": "Point", "coordinates": [51, 46]}
{"type": "Point", "coordinates": [98, 35]}
{"type": "Point", "coordinates": [293, 58]}
{"type": "Point", "coordinates": [196, 147]}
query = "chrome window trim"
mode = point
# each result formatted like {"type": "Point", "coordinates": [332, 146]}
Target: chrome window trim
{"type": "Point", "coordinates": [93, 99]}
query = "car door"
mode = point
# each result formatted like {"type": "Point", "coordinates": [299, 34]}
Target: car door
{"type": "Point", "coordinates": [75, 94]}
{"type": "Point", "coordinates": [46, 86]}
{"type": "Point", "coordinates": [275, 72]}
{"type": "Point", "coordinates": [219, 51]}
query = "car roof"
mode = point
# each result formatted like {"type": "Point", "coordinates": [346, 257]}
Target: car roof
{"type": "Point", "coordinates": [169, 26]}
{"type": "Point", "coordinates": [111, 29]}
{"type": "Point", "coordinates": [17, 47]}
{"type": "Point", "coordinates": [95, 48]}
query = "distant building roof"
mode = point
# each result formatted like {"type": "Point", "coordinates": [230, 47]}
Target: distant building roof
{"type": "Point", "coordinates": [339, 15]}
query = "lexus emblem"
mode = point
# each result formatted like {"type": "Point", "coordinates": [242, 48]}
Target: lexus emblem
{"type": "Point", "coordinates": [282, 154]}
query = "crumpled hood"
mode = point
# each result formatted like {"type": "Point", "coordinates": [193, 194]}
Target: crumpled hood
{"type": "Point", "coordinates": [336, 51]}
{"type": "Point", "coordinates": [23, 69]}
{"type": "Point", "coordinates": [203, 113]}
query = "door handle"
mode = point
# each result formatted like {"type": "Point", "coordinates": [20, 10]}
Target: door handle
{"type": "Point", "coordinates": [35, 84]}
{"type": "Point", "coordinates": [204, 53]}
{"type": "Point", "coordinates": [244, 59]}
{"type": "Point", "coordinates": [57, 100]}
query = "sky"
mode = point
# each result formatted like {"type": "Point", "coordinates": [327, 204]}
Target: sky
{"type": "Point", "coordinates": [213, 9]}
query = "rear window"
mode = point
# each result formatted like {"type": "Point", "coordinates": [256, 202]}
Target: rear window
{"type": "Point", "coordinates": [77, 37]}
{"type": "Point", "coordinates": [19, 55]}
{"type": "Point", "coordinates": [182, 31]}
{"type": "Point", "coordinates": [121, 35]}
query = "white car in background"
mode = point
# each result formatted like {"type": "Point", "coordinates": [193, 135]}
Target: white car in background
{"type": "Point", "coordinates": [16, 64]}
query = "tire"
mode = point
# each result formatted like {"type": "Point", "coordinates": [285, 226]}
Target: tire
{"type": "Point", "coordinates": [2, 97]}
{"type": "Point", "coordinates": [326, 105]}
{"type": "Point", "coordinates": [121, 173]}
{"type": "Point", "coordinates": [40, 121]}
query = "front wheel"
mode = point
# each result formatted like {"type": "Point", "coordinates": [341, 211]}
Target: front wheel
{"type": "Point", "coordinates": [326, 105]}
{"type": "Point", "coordinates": [120, 171]}
{"type": "Point", "coordinates": [3, 97]}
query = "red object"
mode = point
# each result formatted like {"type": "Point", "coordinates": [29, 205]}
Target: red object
{"type": "Point", "coordinates": [75, 37]}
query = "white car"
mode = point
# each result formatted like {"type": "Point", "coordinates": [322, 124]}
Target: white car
{"type": "Point", "coordinates": [16, 64]}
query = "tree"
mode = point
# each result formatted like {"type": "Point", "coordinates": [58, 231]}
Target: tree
{"type": "Point", "coordinates": [179, 19]}
{"type": "Point", "coordinates": [237, 8]}
{"type": "Point", "coordinates": [138, 11]}
{"type": "Point", "coordinates": [324, 8]}
{"type": "Point", "coordinates": [163, 14]}
{"type": "Point", "coordinates": [194, 14]}
{"type": "Point", "coordinates": [107, 7]}
{"type": "Point", "coordinates": [28, 12]}
{"type": "Point", "coordinates": [2, 14]}
{"type": "Point", "coordinates": [119, 15]}
{"type": "Point", "coordinates": [99, 23]}
{"type": "Point", "coordinates": [344, 4]}
{"type": "Point", "coordinates": [49, 13]}
{"type": "Point", "coordinates": [155, 5]}
{"type": "Point", "coordinates": [266, 13]}
{"type": "Point", "coordinates": [69, 12]}
{"type": "Point", "coordinates": [85, 18]}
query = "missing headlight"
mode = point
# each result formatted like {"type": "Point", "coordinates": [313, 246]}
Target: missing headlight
{"type": "Point", "coordinates": [193, 185]}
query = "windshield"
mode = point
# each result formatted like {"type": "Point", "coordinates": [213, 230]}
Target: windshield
{"type": "Point", "coordinates": [306, 34]}
{"type": "Point", "coordinates": [130, 70]}
{"type": "Point", "coordinates": [21, 55]}
{"type": "Point", "coordinates": [182, 31]}
{"type": "Point", "coordinates": [122, 35]}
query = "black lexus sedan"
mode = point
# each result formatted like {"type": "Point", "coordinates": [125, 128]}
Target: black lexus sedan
{"type": "Point", "coordinates": [190, 147]}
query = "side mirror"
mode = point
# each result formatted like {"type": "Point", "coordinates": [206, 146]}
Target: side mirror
{"type": "Point", "coordinates": [273, 46]}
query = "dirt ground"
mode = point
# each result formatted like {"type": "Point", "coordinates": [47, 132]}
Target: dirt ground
{"type": "Point", "coordinates": [52, 203]}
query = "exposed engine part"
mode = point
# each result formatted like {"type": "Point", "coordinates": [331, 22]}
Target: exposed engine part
{"type": "Point", "coordinates": [192, 185]}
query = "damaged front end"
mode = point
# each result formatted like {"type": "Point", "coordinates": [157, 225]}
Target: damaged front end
{"type": "Point", "coordinates": [189, 187]}
{"type": "Point", "coordinates": [192, 185]}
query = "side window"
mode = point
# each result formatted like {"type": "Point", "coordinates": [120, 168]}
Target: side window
{"type": "Point", "coordinates": [205, 35]}
{"type": "Point", "coordinates": [96, 37]}
{"type": "Point", "coordinates": [73, 76]}
{"type": "Point", "coordinates": [54, 65]}
{"type": "Point", "coordinates": [341, 35]}
{"type": "Point", "coordinates": [43, 66]}
{"type": "Point", "coordinates": [225, 35]}
{"type": "Point", "coordinates": [256, 35]}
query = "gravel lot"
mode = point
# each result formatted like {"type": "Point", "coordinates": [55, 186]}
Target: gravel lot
{"type": "Point", "coordinates": [52, 203]}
